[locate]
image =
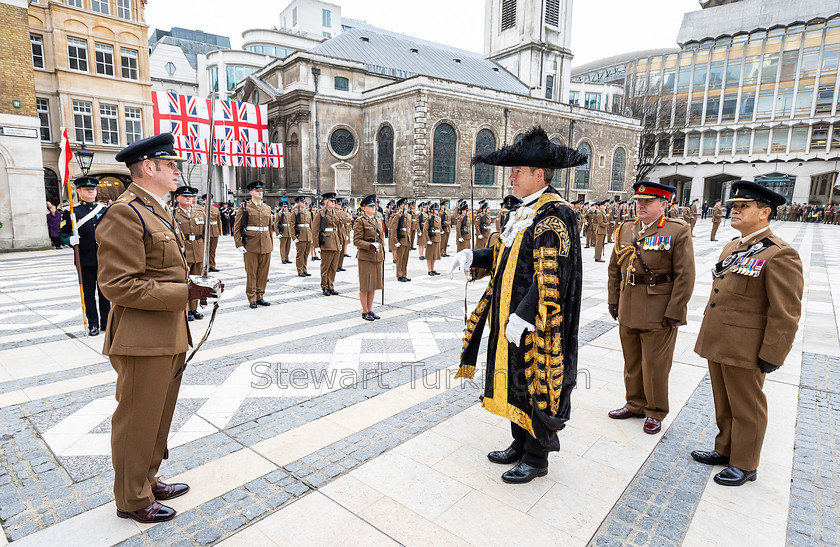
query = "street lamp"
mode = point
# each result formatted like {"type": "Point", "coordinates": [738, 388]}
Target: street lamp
{"type": "Point", "coordinates": [85, 159]}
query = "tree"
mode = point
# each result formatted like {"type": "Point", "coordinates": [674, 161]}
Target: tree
{"type": "Point", "coordinates": [658, 132]}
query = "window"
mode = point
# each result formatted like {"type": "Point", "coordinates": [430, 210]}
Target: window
{"type": "Point", "coordinates": [825, 98]}
{"type": "Point", "coordinates": [104, 59]}
{"type": "Point", "coordinates": [695, 113]}
{"type": "Point", "coordinates": [129, 64]}
{"type": "Point", "coordinates": [108, 123]}
{"type": "Point", "coordinates": [214, 79]}
{"type": "Point", "coordinates": [700, 77]}
{"type": "Point", "coordinates": [830, 58]}
{"type": "Point", "coordinates": [83, 121]}
{"type": "Point", "coordinates": [485, 142]}
{"type": "Point", "coordinates": [124, 9]}
{"type": "Point", "coordinates": [751, 70]}
{"type": "Point", "coordinates": [77, 54]}
{"type": "Point", "coordinates": [582, 171]}
{"type": "Point", "coordinates": [133, 124]}
{"type": "Point", "coordinates": [37, 43]}
{"type": "Point", "coordinates": [341, 84]}
{"type": "Point", "coordinates": [574, 97]}
{"type": "Point", "coordinates": [170, 68]}
{"type": "Point", "coordinates": [618, 165]}
{"type": "Point", "coordinates": [769, 68]}
{"type": "Point", "coordinates": [342, 142]}
{"type": "Point", "coordinates": [819, 138]}
{"type": "Point", "coordinates": [810, 62]}
{"type": "Point", "coordinates": [668, 81]}
{"type": "Point", "coordinates": [76, 3]}
{"type": "Point", "coordinates": [326, 18]}
{"type": "Point", "coordinates": [236, 74]}
{"type": "Point", "coordinates": [778, 144]}
{"type": "Point", "coordinates": [804, 97]}
{"type": "Point", "coordinates": [716, 75]}
{"type": "Point", "coordinates": [765, 104]}
{"type": "Point", "coordinates": [327, 34]}
{"type": "Point", "coordinates": [549, 86]}
{"type": "Point", "coordinates": [294, 16]}
{"type": "Point", "coordinates": [742, 141]}
{"type": "Point", "coordinates": [385, 156]}
{"type": "Point", "coordinates": [592, 100]}
{"type": "Point", "coordinates": [100, 6]}
{"type": "Point", "coordinates": [790, 60]}
{"type": "Point", "coordinates": [712, 109]}
{"type": "Point", "coordinates": [679, 145]}
{"type": "Point", "coordinates": [784, 102]}
{"type": "Point", "coordinates": [725, 142]}
{"type": "Point", "coordinates": [444, 148]}
{"type": "Point", "coordinates": [692, 147]}
{"type": "Point", "coordinates": [552, 13]}
{"type": "Point", "coordinates": [683, 79]}
{"type": "Point", "coordinates": [730, 107]}
{"type": "Point", "coordinates": [709, 143]}
{"type": "Point", "coordinates": [747, 105]}
{"type": "Point", "coordinates": [760, 141]}
{"type": "Point", "coordinates": [42, 106]}
{"type": "Point", "coordinates": [733, 73]}
{"type": "Point", "coordinates": [835, 139]}
{"type": "Point", "coordinates": [798, 138]}
{"type": "Point", "coordinates": [508, 14]}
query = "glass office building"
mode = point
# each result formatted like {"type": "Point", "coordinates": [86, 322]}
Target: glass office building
{"type": "Point", "coordinates": [755, 104]}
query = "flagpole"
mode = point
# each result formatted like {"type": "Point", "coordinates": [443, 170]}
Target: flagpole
{"type": "Point", "coordinates": [76, 256]}
{"type": "Point", "coordinates": [208, 203]}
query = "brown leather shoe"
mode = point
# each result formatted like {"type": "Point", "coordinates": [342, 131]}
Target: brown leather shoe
{"type": "Point", "coordinates": [156, 512]}
{"type": "Point", "coordinates": [163, 491]}
{"type": "Point", "coordinates": [652, 426]}
{"type": "Point", "coordinates": [623, 413]}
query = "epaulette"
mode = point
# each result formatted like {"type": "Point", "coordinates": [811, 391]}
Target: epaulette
{"type": "Point", "coordinates": [677, 220]}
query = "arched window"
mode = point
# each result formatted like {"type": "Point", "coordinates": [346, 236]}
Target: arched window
{"type": "Point", "coordinates": [341, 83]}
{"type": "Point", "coordinates": [518, 138]}
{"type": "Point", "coordinates": [485, 142]}
{"type": "Point", "coordinates": [293, 161]}
{"type": "Point", "coordinates": [582, 171]}
{"type": "Point", "coordinates": [444, 150]}
{"type": "Point", "coordinates": [618, 164]}
{"type": "Point", "coordinates": [385, 156]}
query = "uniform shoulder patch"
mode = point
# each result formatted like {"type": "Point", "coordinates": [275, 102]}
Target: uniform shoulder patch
{"type": "Point", "coordinates": [557, 226]}
{"type": "Point", "coordinates": [677, 220]}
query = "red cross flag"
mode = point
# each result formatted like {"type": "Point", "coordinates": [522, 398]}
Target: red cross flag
{"type": "Point", "coordinates": [183, 115]}
{"type": "Point", "coordinates": [235, 121]}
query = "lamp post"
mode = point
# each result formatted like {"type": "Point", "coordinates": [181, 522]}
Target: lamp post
{"type": "Point", "coordinates": [85, 159]}
{"type": "Point", "coordinates": [316, 72]}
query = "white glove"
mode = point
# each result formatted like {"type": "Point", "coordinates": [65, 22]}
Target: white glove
{"type": "Point", "coordinates": [462, 259]}
{"type": "Point", "coordinates": [515, 327]}
{"type": "Point", "coordinates": [397, 245]}
{"type": "Point", "coordinates": [480, 237]}
{"type": "Point", "coordinates": [460, 240]}
{"type": "Point", "coordinates": [241, 250]}
{"type": "Point", "coordinates": [74, 240]}
{"type": "Point", "coordinates": [317, 251]}
{"type": "Point", "coordinates": [428, 243]}
{"type": "Point", "coordinates": [296, 240]}
{"type": "Point", "coordinates": [375, 246]}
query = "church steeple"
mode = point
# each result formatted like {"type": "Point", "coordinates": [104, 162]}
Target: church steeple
{"type": "Point", "coordinates": [531, 39]}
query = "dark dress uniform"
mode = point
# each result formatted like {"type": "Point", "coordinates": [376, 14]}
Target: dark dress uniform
{"type": "Point", "coordinates": [649, 282]}
{"type": "Point", "coordinates": [258, 247]}
{"type": "Point", "coordinates": [748, 330]}
{"type": "Point", "coordinates": [87, 217]}
{"type": "Point", "coordinates": [367, 230]}
{"type": "Point", "coordinates": [326, 231]}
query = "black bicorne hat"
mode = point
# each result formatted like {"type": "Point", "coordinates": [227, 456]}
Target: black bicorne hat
{"type": "Point", "coordinates": [534, 150]}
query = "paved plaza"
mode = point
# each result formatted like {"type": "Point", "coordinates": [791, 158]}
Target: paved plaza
{"type": "Point", "coordinates": [302, 424]}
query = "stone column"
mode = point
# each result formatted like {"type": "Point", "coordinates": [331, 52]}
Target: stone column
{"type": "Point", "coordinates": [698, 188]}
{"type": "Point", "coordinates": [419, 160]}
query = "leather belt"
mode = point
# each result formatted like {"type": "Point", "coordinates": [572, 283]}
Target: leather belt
{"type": "Point", "coordinates": [651, 279]}
{"type": "Point", "coordinates": [193, 238]}
{"type": "Point", "coordinates": [257, 228]}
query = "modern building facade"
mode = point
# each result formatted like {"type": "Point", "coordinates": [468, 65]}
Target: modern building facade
{"type": "Point", "coordinates": [752, 94]}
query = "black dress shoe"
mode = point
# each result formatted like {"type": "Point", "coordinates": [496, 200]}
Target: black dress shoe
{"type": "Point", "coordinates": [709, 457]}
{"type": "Point", "coordinates": [190, 316]}
{"type": "Point", "coordinates": [340, 270]}
{"type": "Point", "coordinates": [599, 260]}
{"type": "Point", "coordinates": [307, 274]}
{"type": "Point", "coordinates": [93, 331]}
{"type": "Point", "coordinates": [156, 512]}
{"type": "Point", "coordinates": [422, 258]}
{"type": "Point", "coordinates": [163, 491]}
{"type": "Point", "coordinates": [732, 476]}
{"type": "Point", "coordinates": [652, 426]}
{"type": "Point", "coordinates": [507, 456]}
{"type": "Point", "coordinates": [367, 317]}
{"type": "Point", "coordinates": [302, 274]}
{"type": "Point", "coordinates": [347, 256]}
{"type": "Point", "coordinates": [326, 292]}
{"type": "Point", "coordinates": [373, 315]}
{"type": "Point", "coordinates": [333, 292]}
{"type": "Point", "coordinates": [315, 258]}
{"type": "Point", "coordinates": [623, 413]}
{"type": "Point", "coordinates": [198, 315]}
{"type": "Point", "coordinates": [435, 272]}
{"type": "Point", "coordinates": [444, 255]}
{"type": "Point", "coordinates": [402, 279]}
{"type": "Point", "coordinates": [522, 473]}
{"type": "Point", "coordinates": [212, 270]}
{"type": "Point", "coordinates": [253, 305]}
{"type": "Point", "coordinates": [395, 261]}
{"type": "Point", "coordinates": [262, 302]}
{"type": "Point", "coordinates": [431, 274]}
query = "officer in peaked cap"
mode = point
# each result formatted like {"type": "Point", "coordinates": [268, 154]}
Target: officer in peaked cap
{"type": "Point", "coordinates": [252, 229]}
{"type": "Point", "coordinates": [369, 240]}
{"type": "Point", "coordinates": [326, 235]}
{"type": "Point", "coordinates": [748, 329]}
{"type": "Point", "coordinates": [215, 232]}
{"type": "Point", "coordinates": [302, 232]}
{"type": "Point", "coordinates": [284, 228]}
{"type": "Point", "coordinates": [87, 211]}
{"type": "Point", "coordinates": [144, 273]}
{"type": "Point", "coordinates": [446, 221]}
{"type": "Point", "coordinates": [482, 224]}
{"type": "Point", "coordinates": [191, 220]}
{"type": "Point", "coordinates": [602, 224]}
{"type": "Point", "coordinates": [400, 227]}
{"type": "Point", "coordinates": [650, 281]}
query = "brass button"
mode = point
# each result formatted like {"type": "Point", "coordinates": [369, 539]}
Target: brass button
{"type": "Point", "coordinates": [716, 290]}
{"type": "Point", "coordinates": [712, 305]}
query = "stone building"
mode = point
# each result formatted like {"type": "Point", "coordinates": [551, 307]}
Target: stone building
{"type": "Point", "coordinates": [22, 199]}
{"type": "Point", "coordinates": [399, 116]}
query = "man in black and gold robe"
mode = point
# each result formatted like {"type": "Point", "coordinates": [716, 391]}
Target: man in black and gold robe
{"type": "Point", "coordinates": [533, 305]}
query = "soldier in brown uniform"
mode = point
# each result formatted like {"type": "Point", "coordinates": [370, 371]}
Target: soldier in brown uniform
{"type": "Point", "coordinates": [717, 218]}
{"type": "Point", "coordinates": [326, 226]}
{"type": "Point", "coordinates": [415, 224]}
{"type": "Point", "coordinates": [694, 214]}
{"type": "Point", "coordinates": [431, 232]}
{"type": "Point", "coordinates": [143, 272]}
{"type": "Point", "coordinates": [463, 226]}
{"type": "Point", "coordinates": [612, 215]}
{"type": "Point", "coordinates": [400, 229]}
{"type": "Point", "coordinates": [446, 222]}
{"type": "Point", "coordinates": [748, 330]}
{"type": "Point", "coordinates": [482, 224]}
{"type": "Point", "coordinates": [651, 278]}
{"type": "Point", "coordinates": [590, 225]}
{"type": "Point", "coordinates": [284, 228]}
{"type": "Point", "coordinates": [368, 237]}
{"type": "Point", "coordinates": [191, 222]}
{"type": "Point", "coordinates": [302, 234]}
{"type": "Point", "coordinates": [252, 228]}
{"type": "Point", "coordinates": [215, 233]}
{"type": "Point", "coordinates": [602, 224]}
{"type": "Point", "coordinates": [346, 229]}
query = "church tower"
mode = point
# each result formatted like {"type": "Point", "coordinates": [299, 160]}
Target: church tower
{"type": "Point", "coordinates": [531, 39]}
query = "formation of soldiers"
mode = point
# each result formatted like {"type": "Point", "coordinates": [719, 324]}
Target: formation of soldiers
{"type": "Point", "coordinates": [800, 212]}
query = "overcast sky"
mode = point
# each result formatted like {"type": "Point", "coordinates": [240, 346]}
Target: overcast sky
{"type": "Point", "coordinates": [601, 28]}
